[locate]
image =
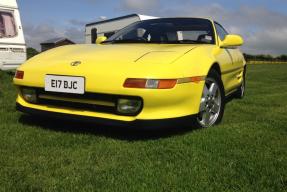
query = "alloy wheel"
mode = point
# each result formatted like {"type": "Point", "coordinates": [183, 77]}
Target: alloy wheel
{"type": "Point", "coordinates": [210, 104]}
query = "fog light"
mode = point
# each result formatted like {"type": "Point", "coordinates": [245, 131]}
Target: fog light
{"type": "Point", "coordinates": [29, 95]}
{"type": "Point", "coordinates": [129, 106]}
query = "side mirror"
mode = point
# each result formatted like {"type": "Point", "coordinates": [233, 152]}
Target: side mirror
{"type": "Point", "coordinates": [101, 39]}
{"type": "Point", "coordinates": [232, 41]}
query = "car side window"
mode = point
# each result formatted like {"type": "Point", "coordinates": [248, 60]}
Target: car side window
{"type": "Point", "coordinates": [221, 32]}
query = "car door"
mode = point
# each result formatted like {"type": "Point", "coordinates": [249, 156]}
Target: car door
{"type": "Point", "coordinates": [230, 62]}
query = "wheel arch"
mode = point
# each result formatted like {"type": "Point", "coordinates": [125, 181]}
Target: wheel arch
{"type": "Point", "coordinates": [215, 66]}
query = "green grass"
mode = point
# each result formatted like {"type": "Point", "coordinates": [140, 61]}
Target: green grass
{"type": "Point", "coordinates": [246, 152]}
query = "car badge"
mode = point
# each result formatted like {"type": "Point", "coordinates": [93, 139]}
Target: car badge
{"type": "Point", "coordinates": [75, 63]}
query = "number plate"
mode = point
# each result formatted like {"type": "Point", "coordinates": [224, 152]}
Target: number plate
{"type": "Point", "coordinates": [65, 84]}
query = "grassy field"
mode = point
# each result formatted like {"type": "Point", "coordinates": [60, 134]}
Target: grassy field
{"type": "Point", "coordinates": [247, 152]}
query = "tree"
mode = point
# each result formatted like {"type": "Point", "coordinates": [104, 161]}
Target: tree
{"type": "Point", "coordinates": [31, 52]}
{"type": "Point", "coordinates": [261, 57]}
{"type": "Point", "coordinates": [282, 58]}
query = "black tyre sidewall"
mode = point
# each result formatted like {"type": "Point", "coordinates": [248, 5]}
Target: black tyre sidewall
{"type": "Point", "coordinates": [238, 93]}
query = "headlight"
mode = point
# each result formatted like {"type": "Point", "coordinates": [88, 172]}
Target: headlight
{"type": "Point", "coordinates": [29, 94]}
{"type": "Point", "coordinates": [129, 106]}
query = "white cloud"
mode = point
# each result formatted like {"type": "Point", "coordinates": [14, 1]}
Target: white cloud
{"type": "Point", "coordinates": [75, 34]}
{"type": "Point", "coordinates": [72, 29]}
{"type": "Point", "coordinates": [268, 41]}
{"type": "Point", "coordinates": [77, 22]}
{"type": "Point", "coordinates": [35, 34]}
{"type": "Point", "coordinates": [139, 5]}
{"type": "Point", "coordinates": [264, 31]}
{"type": "Point", "coordinates": [103, 17]}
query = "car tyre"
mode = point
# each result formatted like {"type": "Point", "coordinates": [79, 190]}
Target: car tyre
{"type": "Point", "coordinates": [212, 102]}
{"type": "Point", "coordinates": [240, 92]}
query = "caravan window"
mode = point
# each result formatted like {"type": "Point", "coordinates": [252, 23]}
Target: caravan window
{"type": "Point", "coordinates": [7, 25]}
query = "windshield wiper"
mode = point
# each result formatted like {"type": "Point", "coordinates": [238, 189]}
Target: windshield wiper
{"type": "Point", "coordinates": [126, 41]}
{"type": "Point", "coordinates": [187, 41]}
{"type": "Point", "coordinates": [157, 42]}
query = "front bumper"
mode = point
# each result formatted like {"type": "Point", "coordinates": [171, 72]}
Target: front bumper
{"type": "Point", "coordinates": [144, 124]}
{"type": "Point", "coordinates": [183, 100]}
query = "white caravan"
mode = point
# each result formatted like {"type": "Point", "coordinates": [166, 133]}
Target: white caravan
{"type": "Point", "coordinates": [12, 42]}
{"type": "Point", "coordinates": [110, 26]}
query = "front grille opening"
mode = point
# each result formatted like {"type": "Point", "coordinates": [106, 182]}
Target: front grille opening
{"type": "Point", "coordinates": [78, 106]}
{"type": "Point", "coordinates": [93, 102]}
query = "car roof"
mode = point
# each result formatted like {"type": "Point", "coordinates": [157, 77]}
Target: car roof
{"type": "Point", "coordinates": [132, 15]}
{"type": "Point", "coordinates": [204, 18]}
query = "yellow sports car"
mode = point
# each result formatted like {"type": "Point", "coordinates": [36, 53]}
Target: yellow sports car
{"type": "Point", "coordinates": [161, 70]}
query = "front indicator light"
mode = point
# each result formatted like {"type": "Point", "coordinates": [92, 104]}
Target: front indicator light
{"type": "Point", "coordinates": [167, 83]}
{"type": "Point", "coordinates": [194, 79]}
{"type": "Point", "coordinates": [150, 83]}
{"type": "Point", "coordinates": [29, 94]}
{"type": "Point", "coordinates": [19, 75]}
{"type": "Point", "coordinates": [135, 83]}
{"type": "Point", "coordinates": [129, 106]}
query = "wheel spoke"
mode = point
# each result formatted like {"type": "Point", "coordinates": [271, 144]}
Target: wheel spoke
{"type": "Point", "coordinates": [213, 89]}
{"type": "Point", "coordinates": [205, 91]}
{"type": "Point", "coordinates": [215, 108]}
{"type": "Point", "coordinates": [206, 117]}
{"type": "Point", "coordinates": [202, 104]}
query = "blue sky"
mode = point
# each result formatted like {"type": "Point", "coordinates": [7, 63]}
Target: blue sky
{"type": "Point", "coordinates": [256, 20]}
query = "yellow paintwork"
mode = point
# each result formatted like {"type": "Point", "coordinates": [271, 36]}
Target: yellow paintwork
{"type": "Point", "coordinates": [106, 67]}
{"type": "Point", "coordinates": [232, 40]}
{"type": "Point", "coordinates": [100, 39]}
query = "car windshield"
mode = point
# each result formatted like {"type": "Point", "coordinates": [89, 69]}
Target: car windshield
{"type": "Point", "coordinates": [169, 31]}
